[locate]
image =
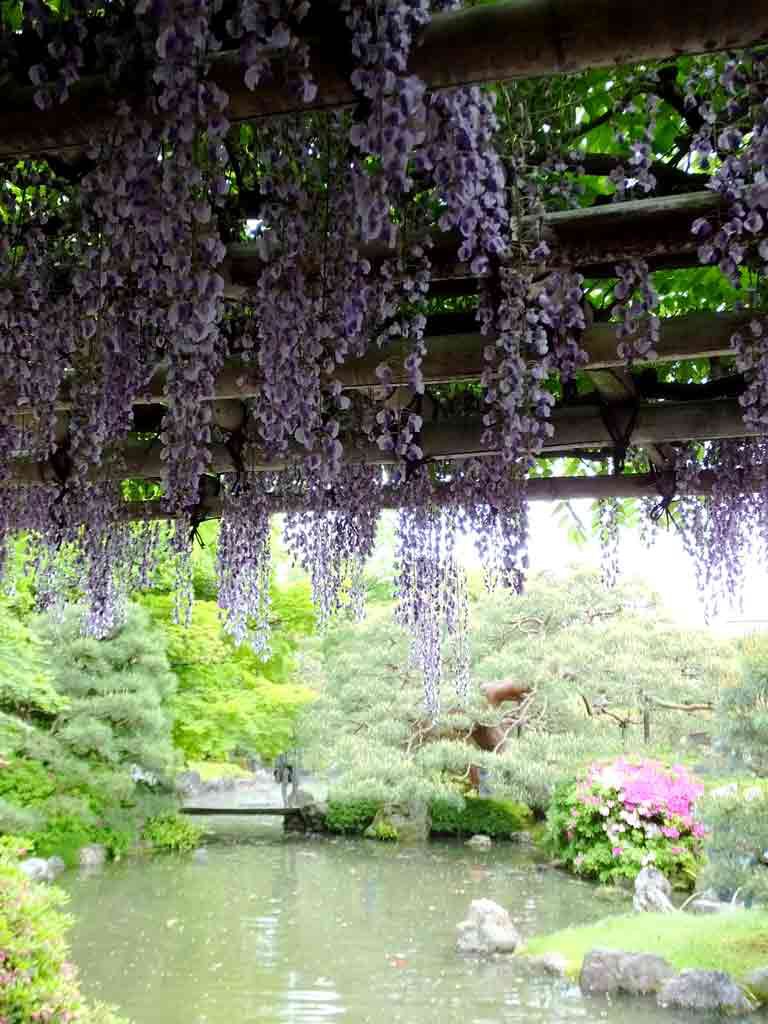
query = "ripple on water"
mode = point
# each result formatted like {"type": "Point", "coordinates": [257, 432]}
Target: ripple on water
{"type": "Point", "coordinates": [269, 930]}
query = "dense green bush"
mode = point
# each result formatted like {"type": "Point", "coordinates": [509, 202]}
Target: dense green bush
{"type": "Point", "coordinates": [495, 818]}
{"type": "Point", "coordinates": [351, 817]}
{"type": "Point", "coordinates": [737, 845]}
{"type": "Point", "coordinates": [172, 833]}
{"type": "Point", "coordinates": [37, 982]}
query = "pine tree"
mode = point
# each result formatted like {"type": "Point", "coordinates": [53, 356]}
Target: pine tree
{"type": "Point", "coordinates": [118, 690]}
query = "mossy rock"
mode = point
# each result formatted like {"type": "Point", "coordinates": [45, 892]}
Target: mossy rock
{"type": "Point", "coordinates": [499, 819]}
{"type": "Point", "coordinates": [405, 823]}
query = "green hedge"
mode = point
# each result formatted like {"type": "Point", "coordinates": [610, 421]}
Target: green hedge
{"type": "Point", "coordinates": [495, 818]}
{"type": "Point", "coordinates": [350, 817]}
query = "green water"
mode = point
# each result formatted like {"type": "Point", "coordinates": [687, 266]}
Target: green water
{"type": "Point", "coordinates": [267, 929]}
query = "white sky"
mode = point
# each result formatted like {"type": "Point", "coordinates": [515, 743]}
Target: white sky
{"type": "Point", "coordinates": [665, 567]}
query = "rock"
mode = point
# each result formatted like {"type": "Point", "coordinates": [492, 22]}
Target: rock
{"type": "Point", "coordinates": [524, 838]}
{"type": "Point", "coordinates": [757, 983]}
{"type": "Point", "coordinates": [708, 906]}
{"type": "Point", "coordinates": [55, 867]}
{"type": "Point", "coordinates": [731, 789]}
{"type": "Point", "coordinates": [301, 798]}
{"type": "Point", "coordinates": [652, 892]}
{"type": "Point", "coordinates": [480, 841]}
{"type": "Point", "coordinates": [488, 928]}
{"type": "Point", "coordinates": [36, 869]}
{"type": "Point", "coordinates": [548, 963]}
{"type": "Point", "coordinates": [409, 821]}
{"type": "Point", "coordinates": [605, 971]}
{"type": "Point", "coordinates": [188, 783]}
{"type": "Point", "coordinates": [312, 818]}
{"type": "Point", "coordinates": [92, 856]}
{"type": "Point", "coordinates": [694, 989]}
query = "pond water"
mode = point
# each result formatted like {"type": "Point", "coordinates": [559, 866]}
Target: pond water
{"type": "Point", "coordinates": [266, 929]}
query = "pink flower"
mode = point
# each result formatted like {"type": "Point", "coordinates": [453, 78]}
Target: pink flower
{"type": "Point", "coordinates": [617, 851]}
{"type": "Point", "coordinates": [670, 833]}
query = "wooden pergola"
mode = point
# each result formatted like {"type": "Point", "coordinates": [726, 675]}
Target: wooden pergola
{"type": "Point", "coordinates": [522, 39]}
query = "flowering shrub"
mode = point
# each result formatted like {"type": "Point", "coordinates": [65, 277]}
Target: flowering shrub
{"type": "Point", "coordinates": [625, 815]}
{"type": "Point", "coordinates": [37, 982]}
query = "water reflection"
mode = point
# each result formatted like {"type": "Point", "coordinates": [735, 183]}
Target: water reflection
{"type": "Point", "coordinates": [299, 931]}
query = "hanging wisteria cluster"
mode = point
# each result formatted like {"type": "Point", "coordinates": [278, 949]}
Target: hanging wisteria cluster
{"type": "Point", "coordinates": [122, 308]}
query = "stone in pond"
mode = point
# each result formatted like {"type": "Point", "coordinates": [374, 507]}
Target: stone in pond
{"type": "Point", "coordinates": [652, 892]}
{"type": "Point", "coordinates": [694, 989]}
{"type": "Point", "coordinates": [548, 963]}
{"type": "Point", "coordinates": [36, 869]}
{"type": "Point", "coordinates": [609, 971]}
{"type": "Point", "coordinates": [55, 867]}
{"type": "Point", "coordinates": [410, 822]}
{"type": "Point", "coordinates": [487, 929]}
{"type": "Point", "coordinates": [480, 841]}
{"type": "Point", "coordinates": [92, 856]}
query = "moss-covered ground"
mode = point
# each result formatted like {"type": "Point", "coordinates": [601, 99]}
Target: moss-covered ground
{"type": "Point", "coordinates": [735, 942]}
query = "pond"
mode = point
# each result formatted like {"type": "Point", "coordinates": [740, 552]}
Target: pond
{"type": "Point", "coordinates": [270, 929]}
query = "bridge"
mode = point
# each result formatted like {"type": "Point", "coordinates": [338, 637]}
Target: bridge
{"type": "Point", "coordinates": [280, 812]}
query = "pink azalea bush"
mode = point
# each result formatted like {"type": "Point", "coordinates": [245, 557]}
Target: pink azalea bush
{"type": "Point", "coordinates": [620, 817]}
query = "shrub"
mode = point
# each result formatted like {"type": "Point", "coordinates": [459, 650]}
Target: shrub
{"type": "Point", "coordinates": [623, 816]}
{"type": "Point", "coordinates": [495, 818]}
{"type": "Point", "coordinates": [172, 833]}
{"type": "Point", "coordinates": [737, 817]}
{"type": "Point", "coordinates": [37, 982]}
{"type": "Point", "coordinates": [350, 817]}
{"type": "Point", "coordinates": [62, 836]}
{"type": "Point", "coordinates": [383, 831]}
{"type": "Point", "coordinates": [25, 782]}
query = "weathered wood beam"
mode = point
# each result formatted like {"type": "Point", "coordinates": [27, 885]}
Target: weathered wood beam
{"type": "Point", "coordinates": [520, 39]}
{"type": "Point", "coordinates": [553, 488]}
{"type": "Point", "coordinates": [454, 353]}
{"type": "Point", "coordinates": [574, 428]}
{"type": "Point", "coordinates": [591, 240]}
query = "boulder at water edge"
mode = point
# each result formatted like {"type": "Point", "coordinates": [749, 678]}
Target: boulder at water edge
{"type": "Point", "coordinates": [55, 866]}
{"type": "Point", "coordinates": [694, 989]}
{"type": "Point", "coordinates": [481, 842]}
{"type": "Point", "coordinates": [487, 929]}
{"type": "Point", "coordinates": [607, 971]}
{"type": "Point", "coordinates": [652, 892]}
{"type": "Point", "coordinates": [408, 822]}
{"type": "Point", "coordinates": [36, 869]}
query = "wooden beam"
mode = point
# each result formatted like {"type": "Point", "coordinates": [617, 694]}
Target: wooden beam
{"type": "Point", "coordinates": [574, 428]}
{"type": "Point", "coordinates": [553, 488]}
{"type": "Point", "coordinates": [489, 43]}
{"type": "Point", "coordinates": [591, 240]}
{"type": "Point", "coordinates": [455, 353]}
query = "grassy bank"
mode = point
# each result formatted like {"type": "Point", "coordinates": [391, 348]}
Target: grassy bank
{"type": "Point", "coordinates": [735, 943]}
